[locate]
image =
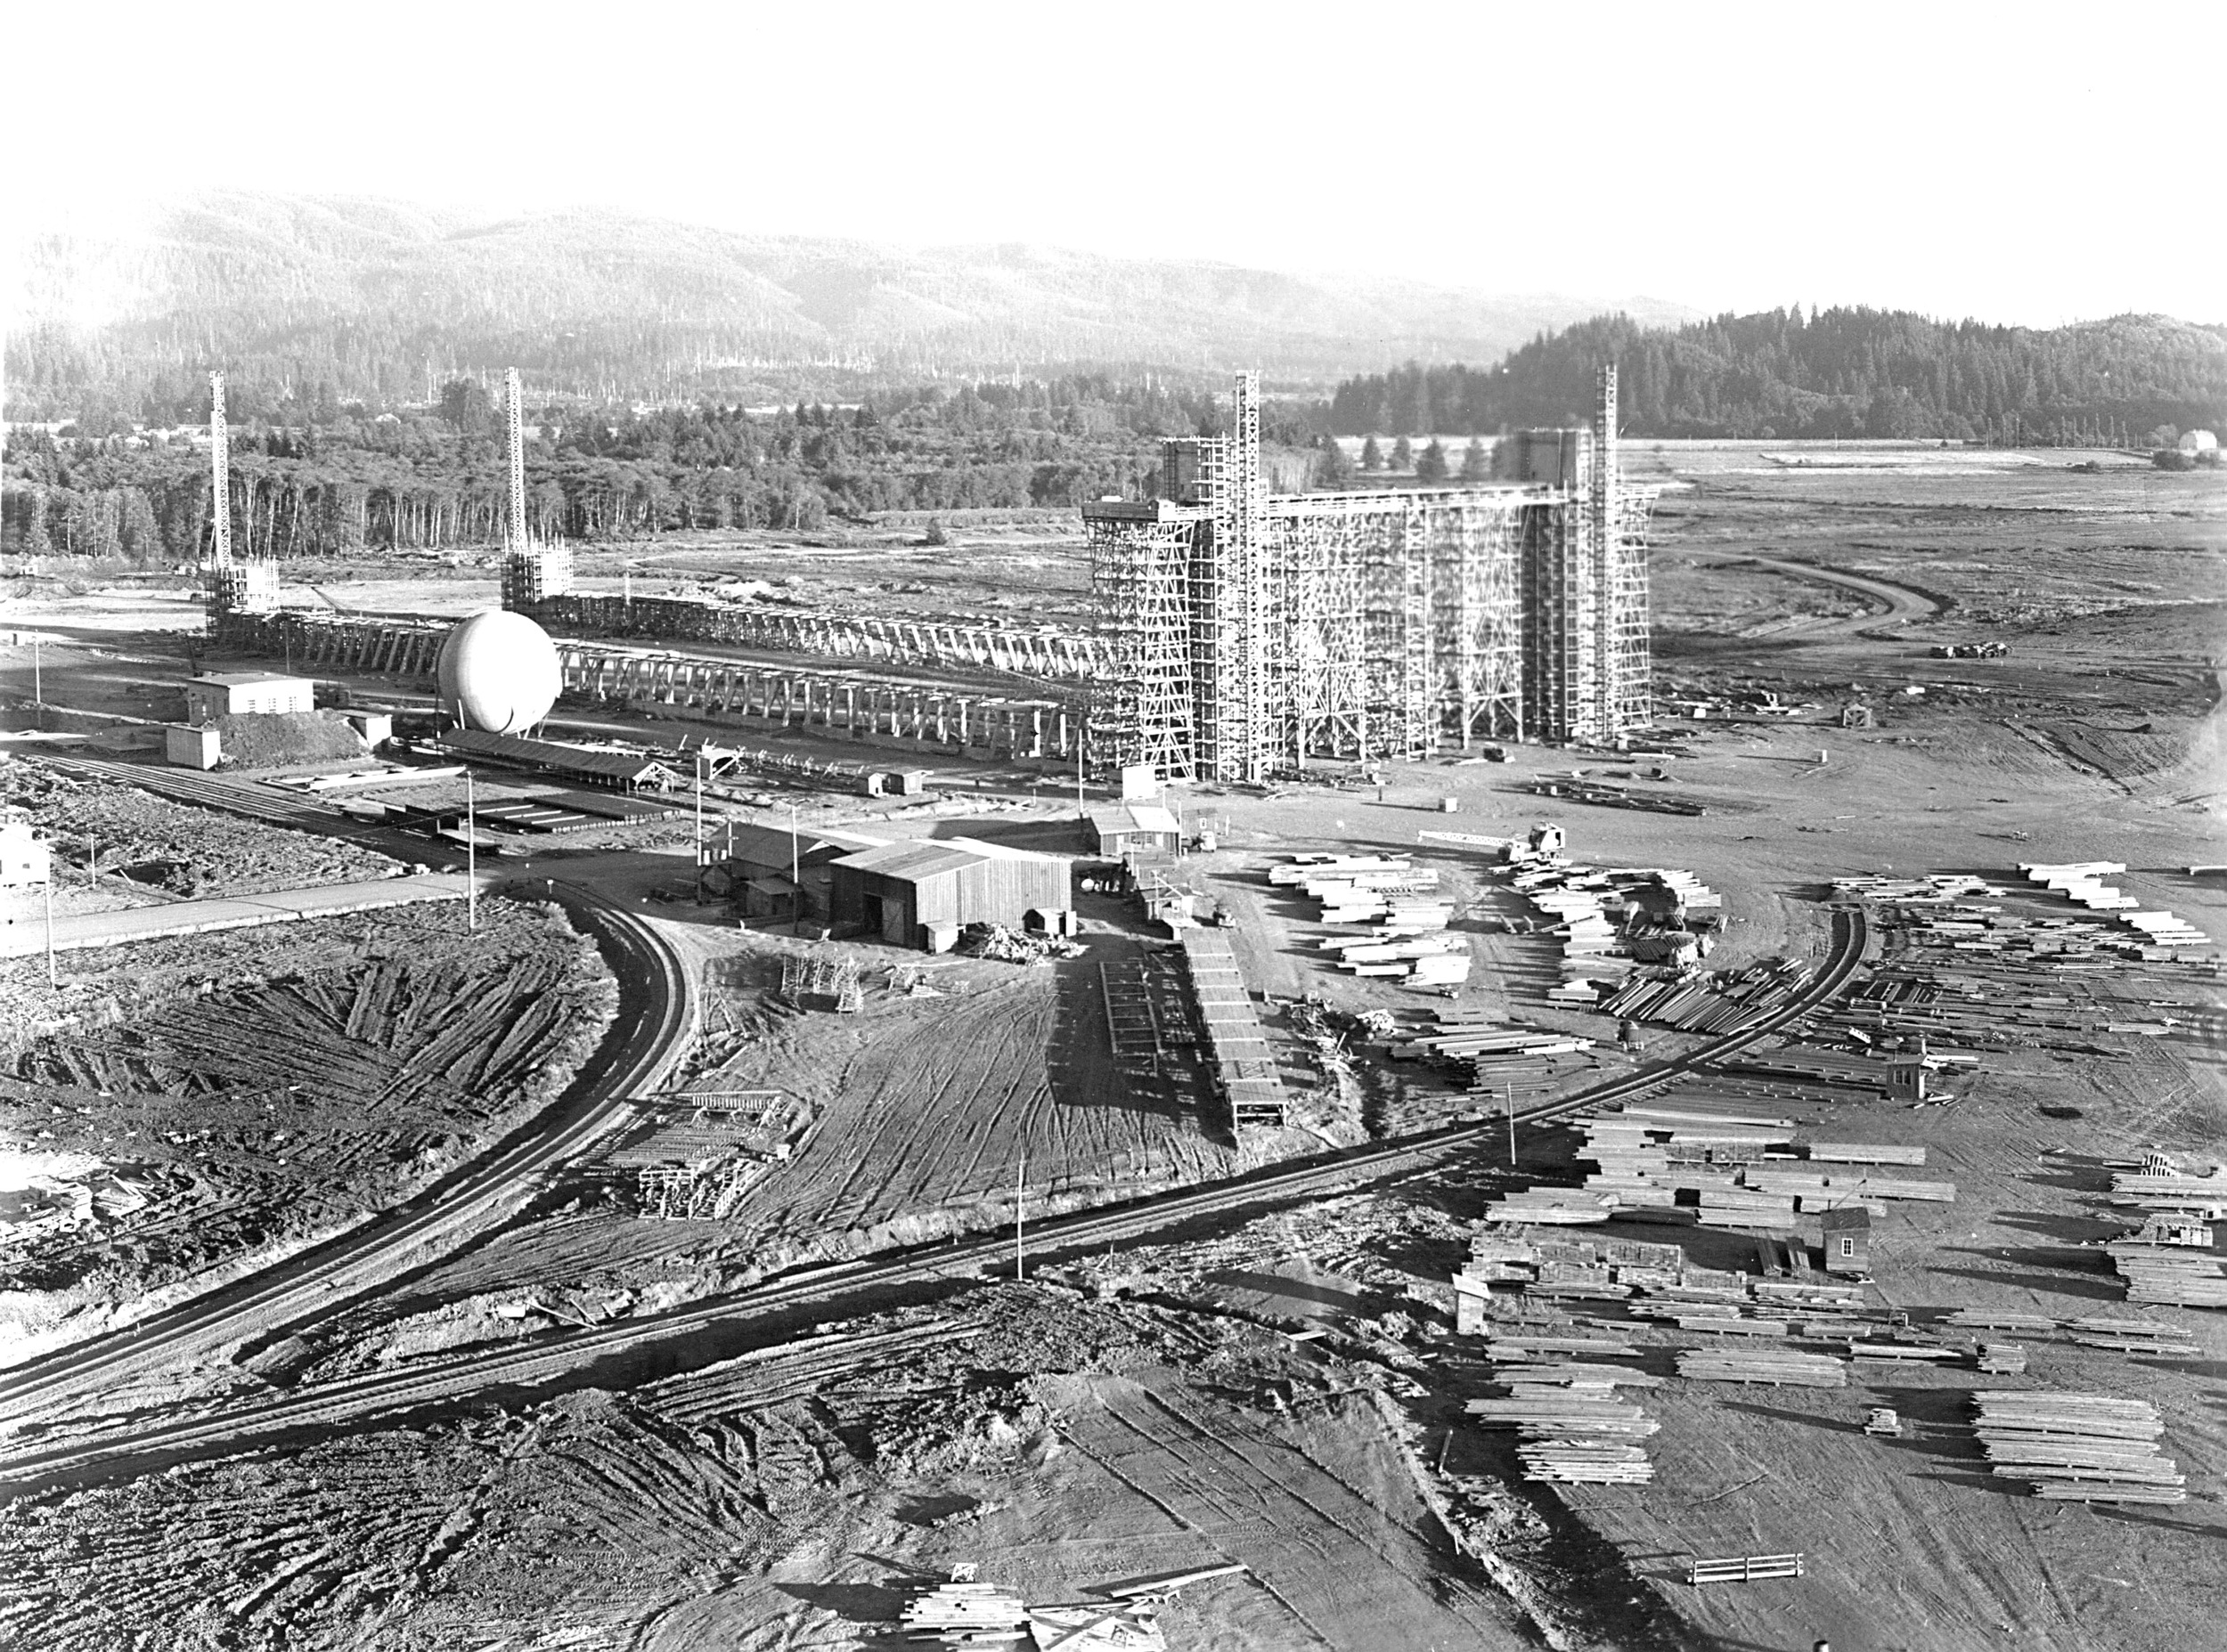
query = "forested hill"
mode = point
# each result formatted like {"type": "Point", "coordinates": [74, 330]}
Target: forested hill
{"type": "Point", "coordinates": [1834, 373]}
{"type": "Point", "coordinates": [353, 299]}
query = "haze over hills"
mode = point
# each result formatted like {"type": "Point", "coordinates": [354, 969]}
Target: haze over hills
{"type": "Point", "coordinates": [372, 297]}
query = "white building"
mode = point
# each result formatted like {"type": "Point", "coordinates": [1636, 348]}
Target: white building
{"type": "Point", "coordinates": [222, 693]}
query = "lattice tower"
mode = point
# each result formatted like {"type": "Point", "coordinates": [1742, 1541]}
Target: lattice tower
{"type": "Point", "coordinates": [220, 475]}
{"type": "Point", "coordinates": [1141, 708]}
{"type": "Point", "coordinates": [532, 572]}
{"type": "Point", "coordinates": [513, 399]}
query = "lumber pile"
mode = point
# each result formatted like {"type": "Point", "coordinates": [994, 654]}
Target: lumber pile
{"type": "Point", "coordinates": [1552, 1205]}
{"type": "Point", "coordinates": [1572, 1427]}
{"type": "Point", "coordinates": [2132, 1335]}
{"type": "Point", "coordinates": [2002, 1359]}
{"type": "Point", "coordinates": [2171, 1277]}
{"type": "Point", "coordinates": [963, 1612]}
{"type": "Point", "coordinates": [1771, 1366]}
{"type": "Point", "coordinates": [2084, 1447]}
{"type": "Point", "coordinates": [2159, 1186]}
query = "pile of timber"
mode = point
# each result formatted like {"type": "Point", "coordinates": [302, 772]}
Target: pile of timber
{"type": "Point", "coordinates": [1573, 1427]}
{"type": "Point", "coordinates": [1771, 1366]}
{"type": "Point", "coordinates": [1993, 1319]}
{"type": "Point", "coordinates": [2170, 1277]}
{"type": "Point", "coordinates": [1945, 889]}
{"type": "Point", "coordinates": [1712, 1002]}
{"type": "Point", "coordinates": [1390, 891]}
{"type": "Point", "coordinates": [2132, 1335]}
{"type": "Point", "coordinates": [2159, 1186]}
{"type": "Point", "coordinates": [1435, 960]}
{"type": "Point", "coordinates": [963, 1613]}
{"type": "Point", "coordinates": [2083, 1447]}
{"type": "Point", "coordinates": [1560, 1207]}
{"type": "Point", "coordinates": [1483, 1043]}
{"type": "Point", "coordinates": [2001, 1359]}
{"type": "Point", "coordinates": [1547, 1349]}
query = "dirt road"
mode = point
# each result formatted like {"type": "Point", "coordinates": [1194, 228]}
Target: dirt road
{"type": "Point", "coordinates": [1903, 606]}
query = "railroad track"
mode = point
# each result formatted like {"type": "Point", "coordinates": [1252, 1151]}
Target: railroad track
{"type": "Point", "coordinates": [657, 1009]}
{"type": "Point", "coordinates": [704, 1332]}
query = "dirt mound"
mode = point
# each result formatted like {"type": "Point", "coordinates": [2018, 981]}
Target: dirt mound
{"type": "Point", "coordinates": [268, 740]}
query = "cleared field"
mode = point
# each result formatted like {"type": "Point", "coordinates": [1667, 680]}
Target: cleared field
{"type": "Point", "coordinates": [928, 1109]}
{"type": "Point", "coordinates": [201, 1106]}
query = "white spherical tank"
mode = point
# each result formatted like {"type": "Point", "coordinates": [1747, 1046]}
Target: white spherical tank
{"type": "Point", "coordinates": [498, 673]}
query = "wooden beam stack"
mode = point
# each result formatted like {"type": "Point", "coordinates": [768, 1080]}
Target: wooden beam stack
{"type": "Point", "coordinates": [2081, 1447]}
{"type": "Point", "coordinates": [1574, 1430]}
{"type": "Point", "coordinates": [1771, 1366]}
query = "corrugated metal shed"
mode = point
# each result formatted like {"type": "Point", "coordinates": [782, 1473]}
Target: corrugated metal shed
{"type": "Point", "coordinates": [900, 890]}
{"type": "Point", "coordinates": [620, 771]}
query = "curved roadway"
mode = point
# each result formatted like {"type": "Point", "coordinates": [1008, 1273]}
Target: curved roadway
{"type": "Point", "coordinates": [691, 1335]}
{"type": "Point", "coordinates": [1903, 606]}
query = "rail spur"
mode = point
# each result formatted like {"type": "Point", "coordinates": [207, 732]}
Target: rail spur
{"type": "Point", "coordinates": [706, 1333]}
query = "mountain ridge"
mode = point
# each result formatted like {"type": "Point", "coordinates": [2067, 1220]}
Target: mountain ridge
{"type": "Point", "coordinates": [372, 296]}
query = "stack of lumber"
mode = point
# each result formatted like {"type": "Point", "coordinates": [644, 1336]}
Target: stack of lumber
{"type": "Point", "coordinates": [1560, 1207]}
{"type": "Point", "coordinates": [1574, 1429]}
{"type": "Point", "coordinates": [2176, 1276]}
{"type": "Point", "coordinates": [1487, 1041]}
{"type": "Point", "coordinates": [1829, 1296]}
{"type": "Point", "coordinates": [1739, 1208]}
{"type": "Point", "coordinates": [1862, 1152]}
{"type": "Point", "coordinates": [965, 1615]}
{"type": "Point", "coordinates": [2085, 1447]}
{"type": "Point", "coordinates": [1994, 1319]}
{"type": "Point", "coordinates": [2001, 1359]}
{"type": "Point", "coordinates": [1536, 1349]}
{"type": "Point", "coordinates": [1846, 1188]}
{"type": "Point", "coordinates": [1711, 1002]}
{"type": "Point", "coordinates": [2132, 1335]}
{"type": "Point", "coordinates": [2082, 881]}
{"type": "Point", "coordinates": [1941, 889]}
{"type": "Point", "coordinates": [2168, 1189]}
{"type": "Point", "coordinates": [1904, 1351]}
{"type": "Point", "coordinates": [1772, 1365]}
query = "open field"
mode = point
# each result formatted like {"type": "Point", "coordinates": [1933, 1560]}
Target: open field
{"type": "Point", "coordinates": [216, 1098]}
{"type": "Point", "coordinates": [1145, 1411]}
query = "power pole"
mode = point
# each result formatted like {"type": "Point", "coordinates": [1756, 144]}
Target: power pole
{"type": "Point", "coordinates": [471, 859]}
{"type": "Point", "coordinates": [51, 981]}
{"type": "Point", "coordinates": [1020, 1192]}
{"type": "Point", "coordinates": [699, 828]}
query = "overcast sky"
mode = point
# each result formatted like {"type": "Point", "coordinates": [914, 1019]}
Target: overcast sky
{"type": "Point", "coordinates": [2030, 163]}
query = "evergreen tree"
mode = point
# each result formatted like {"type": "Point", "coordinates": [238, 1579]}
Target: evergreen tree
{"type": "Point", "coordinates": [1372, 455]}
{"type": "Point", "coordinates": [1476, 463]}
{"type": "Point", "coordinates": [39, 542]}
{"type": "Point", "coordinates": [1431, 466]}
{"type": "Point", "coordinates": [1332, 469]}
{"type": "Point", "coordinates": [1403, 457]}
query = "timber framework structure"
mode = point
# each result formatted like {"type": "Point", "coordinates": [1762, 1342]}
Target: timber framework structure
{"type": "Point", "coordinates": [1246, 633]}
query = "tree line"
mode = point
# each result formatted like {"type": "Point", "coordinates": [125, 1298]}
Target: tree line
{"type": "Point", "coordinates": [1835, 373]}
{"type": "Point", "coordinates": [343, 479]}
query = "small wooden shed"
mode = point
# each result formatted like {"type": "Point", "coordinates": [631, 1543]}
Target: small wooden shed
{"type": "Point", "coordinates": [1848, 1239]}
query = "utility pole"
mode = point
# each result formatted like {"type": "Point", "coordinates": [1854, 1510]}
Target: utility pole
{"type": "Point", "coordinates": [795, 875]}
{"type": "Point", "coordinates": [699, 828]}
{"type": "Point", "coordinates": [471, 859]}
{"type": "Point", "coordinates": [51, 981]}
{"type": "Point", "coordinates": [38, 690]}
{"type": "Point", "coordinates": [1020, 1192]}
{"type": "Point", "coordinates": [1511, 1096]}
